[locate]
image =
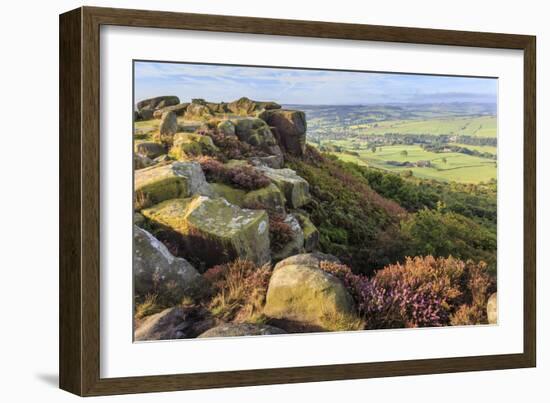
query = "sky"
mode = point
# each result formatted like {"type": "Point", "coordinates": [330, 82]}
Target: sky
{"type": "Point", "coordinates": [218, 83]}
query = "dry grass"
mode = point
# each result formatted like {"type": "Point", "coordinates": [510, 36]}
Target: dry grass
{"type": "Point", "coordinates": [148, 307]}
{"type": "Point", "coordinates": [240, 289]}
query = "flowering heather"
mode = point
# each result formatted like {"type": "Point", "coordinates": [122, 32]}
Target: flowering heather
{"type": "Point", "coordinates": [422, 292]}
{"type": "Point", "coordinates": [231, 148]}
{"type": "Point", "coordinates": [245, 177]}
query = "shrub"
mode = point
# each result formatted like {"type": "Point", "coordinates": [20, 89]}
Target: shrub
{"type": "Point", "coordinates": [239, 290]}
{"type": "Point", "coordinates": [231, 148]}
{"type": "Point", "coordinates": [248, 177]}
{"type": "Point", "coordinates": [245, 177]}
{"type": "Point", "coordinates": [280, 233]}
{"type": "Point", "coordinates": [355, 223]}
{"type": "Point", "coordinates": [424, 291]}
{"type": "Point", "coordinates": [439, 233]}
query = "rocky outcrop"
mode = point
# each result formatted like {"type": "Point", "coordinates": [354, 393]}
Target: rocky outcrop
{"type": "Point", "coordinates": [179, 110]}
{"type": "Point", "coordinates": [290, 128]}
{"type": "Point", "coordinates": [188, 145]}
{"type": "Point", "coordinates": [157, 103]}
{"type": "Point", "coordinates": [198, 110]}
{"type": "Point", "coordinates": [156, 271]}
{"type": "Point", "coordinates": [241, 329]}
{"type": "Point", "coordinates": [254, 131]}
{"type": "Point", "coordinates": [296, 243]}
{"type": "Point", "coordinates": [149, 149]}
{"type": "Point", "coordinates": [246, 107]}
{"type": "Point", "coordinates": [307, 259]}
{"type": "Point", "coordinates": [294, 187]}
{"type": "Point", "coordinates": [492, 309]}
{"type": "Point", "coordinates": [308, 295]}
{"type": "Point", "coordinates": [178, 179]}
{"type": "Point", "coordinates": [213, 230]}
{"type": "Point", "coordinates": [174, 323]}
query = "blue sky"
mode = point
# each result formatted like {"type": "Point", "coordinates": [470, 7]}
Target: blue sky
{"type": "Point", "coordinates": [292, 86]}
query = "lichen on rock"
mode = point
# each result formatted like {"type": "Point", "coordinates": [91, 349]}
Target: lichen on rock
{"type": "Point", "coordinates": [149, 149]}
{"type": "Point", "coordinates": [178, 179]}
{"type": "Point", "coordinates": [270, 197]}
{"type": "Point", "coordinates": [254, 131]}
{"type": "Point", "coordinates": [311, 233]}
{"type": "Point", "coordinates": [294, 187]}
{"type": "Point", "coordinates": [213, 230]}
{"type": "Point", "coordinates": [188, 145]}
{"type": "Point", "coordinates": [308, 295]}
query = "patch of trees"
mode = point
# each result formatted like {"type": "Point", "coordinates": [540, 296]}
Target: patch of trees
{"type": "Point", "coordinates": [444, 148]}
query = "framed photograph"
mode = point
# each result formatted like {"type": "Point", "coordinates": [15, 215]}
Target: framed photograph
{"type": "Point", "coordinates": [249, 201]}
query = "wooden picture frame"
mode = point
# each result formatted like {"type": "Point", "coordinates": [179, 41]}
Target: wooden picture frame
{"type": "Point", "coordinates": [80, 188]}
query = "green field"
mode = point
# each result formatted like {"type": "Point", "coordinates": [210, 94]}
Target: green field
{"type": "Point", "coordinates": [458, 167]}
{"type": "Point", "coordinates": [481, 126]}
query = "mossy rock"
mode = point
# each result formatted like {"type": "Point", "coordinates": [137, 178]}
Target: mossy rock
{"type": "Point", "coordinates": [254, 131]}
{"type": "Point", "coordinates": [308, 295]}
{"type": "Point", "coordinates": [311, 233]}
{"type": "Point", "coordinates": [294, 187]}
{"type": "Point", "coordinates": [270, 196]}
{"type": "Point", "coordinates": [156, 271]}
{"type": "Point", "coordinates": [226, 127]}
{"type": "Point", "coordinates": [189, 145]}
{"type": "Point", "coordinates": [231, 194]}
{"type": "Point", "coordinates": [212, 230]}
{"type": "Point", "coordinates": [162, 182]}
{"type": "Point", "coordinates": [149, 149]}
